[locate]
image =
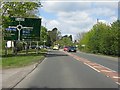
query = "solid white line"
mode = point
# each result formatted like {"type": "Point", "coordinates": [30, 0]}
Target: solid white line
{"type": "Point", "coordinates": [92, 67]}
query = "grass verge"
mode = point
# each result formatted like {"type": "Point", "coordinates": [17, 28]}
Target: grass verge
{"type": "Point", "coordinates": [20, 61]}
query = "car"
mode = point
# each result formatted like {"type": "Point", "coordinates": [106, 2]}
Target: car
{"type": "Point", "coordinates": [33, 47]}
{"type": "Point", "coordinates": [65, 48]}
{"type": "Point", "coordinates": [72, 49]}
{"type": "Point", "coordinates": [56, 47]}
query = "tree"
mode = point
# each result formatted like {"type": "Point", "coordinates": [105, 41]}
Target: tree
{"type": "Point", "coordinates": [80, 35]}
{"type": "Point", "coordinates": [54, 35]}
{"type": "Point", "coordinates": [43, 34]}
{"type": "Point", "coordinates": [20, 9]}
{"type": "Point", "coordinates": [65, 41]}
{"type": "Point", "coordinates": [17, 9]}
{"type": "Point", "coordinates": [102, 38]}
{"type": "Point", "coordinates": [70, 37]}
{"type": "Point", "coordinates": [114, 34]}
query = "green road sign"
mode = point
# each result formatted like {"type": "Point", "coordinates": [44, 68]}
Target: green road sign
{"type": "Point", "coordinates": [27, 29]}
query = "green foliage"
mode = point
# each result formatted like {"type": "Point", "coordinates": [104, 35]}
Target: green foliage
{"type": "Point", "coordinates": [102, 38]}
{"type": "Point", "coordinates": [20, 9]}
{"type": "Point", "coordinates": [17, 9]}
{"type": "Point", "coordinates": [54, 35]}
{"type": "Point", "coordinates": [43, 35]}
{"type": "Point", "coordinates": [20, 61]}
{"type": "Point", "coordinates": [65, 41]}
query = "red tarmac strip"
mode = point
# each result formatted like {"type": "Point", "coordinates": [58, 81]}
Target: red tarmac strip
{"type": "Point", "coordinates": [99, 68]}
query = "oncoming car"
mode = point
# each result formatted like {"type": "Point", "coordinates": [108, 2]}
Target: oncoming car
{"type": "Point", "coordinates": [72, 49]}
{"type": "Point", "coordinates": [56, 47]}
{"type": "Point", "coordinates": [65, 48]}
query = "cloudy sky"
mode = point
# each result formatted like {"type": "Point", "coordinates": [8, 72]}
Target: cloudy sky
{"type": "Point", "coordinates": [73, 17]}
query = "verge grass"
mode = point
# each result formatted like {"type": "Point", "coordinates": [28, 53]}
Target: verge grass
{"type": "Point", "coordinates": [20, 61]}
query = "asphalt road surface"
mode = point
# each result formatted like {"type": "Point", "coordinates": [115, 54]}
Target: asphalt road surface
{"type": "Point", "coordinates": [59, 70]}
{"type": "Point", "coordinates": [110, 62]}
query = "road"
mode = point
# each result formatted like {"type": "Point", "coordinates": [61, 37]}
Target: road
{"type": "Point", "coordinates": [110, 62]}
{"type": "Point", "coordinates": [60, 70]}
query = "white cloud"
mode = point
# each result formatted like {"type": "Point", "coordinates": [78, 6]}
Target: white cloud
{"type": "Point", "coordinates": [110, 5]}
{"type": "Point", "coordinates": [76, 17]}
{"type": "Point", "coordinates": [66, 6]}
{"type": "Point", "coordinates": [103, 12]}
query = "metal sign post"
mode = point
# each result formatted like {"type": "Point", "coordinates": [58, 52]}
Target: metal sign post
{"type": "Point", "coordinates": [37, 49]}
{"type": "Point", "coordinates": [5, 48]}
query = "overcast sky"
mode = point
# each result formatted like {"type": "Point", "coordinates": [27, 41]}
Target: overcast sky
{"type": "Point", "coordinates": [72, 17]}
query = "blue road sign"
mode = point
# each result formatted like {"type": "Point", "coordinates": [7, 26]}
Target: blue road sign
{"type": "Point", "coordinates": [11, 29]}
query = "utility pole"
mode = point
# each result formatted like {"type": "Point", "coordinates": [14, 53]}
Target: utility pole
{"type": "Point", "coordinates": [97, 20]}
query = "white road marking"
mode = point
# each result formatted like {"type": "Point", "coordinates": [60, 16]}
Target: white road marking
{"type": "Point", "coordinates": [97, 66]}
{"type": "Point", "coordinates": [106, 70]}
{"type": "Point", "coordinates": [89, 63]}
{"type": "Point", "coordinates": [115, 77]}
{"type": "Point", "coordinates": [91, 67]}
{"type": "Point", "coordinates": [118, 83]}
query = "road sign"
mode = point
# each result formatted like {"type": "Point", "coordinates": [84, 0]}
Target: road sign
{"type": "Point", "coordinates": [27, 29]}
{"type": "Point", "coordinates": [11, 34]}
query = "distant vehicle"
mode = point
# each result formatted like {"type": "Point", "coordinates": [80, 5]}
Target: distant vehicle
{"type": "Point", "coordinates": [56, 47]}
{"type": "Point", "coordinates": [33, 47]}
{"type": "Point", "coordinates": [65, 48]}
{"type": "Point", "coordinates": [71, 49]}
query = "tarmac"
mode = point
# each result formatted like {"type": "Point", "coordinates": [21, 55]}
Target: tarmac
{"type": "Point", "coordinates": [11, 77]}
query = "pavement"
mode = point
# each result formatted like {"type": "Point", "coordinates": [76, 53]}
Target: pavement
{"type": "Point", "coordinates": [11, 77]}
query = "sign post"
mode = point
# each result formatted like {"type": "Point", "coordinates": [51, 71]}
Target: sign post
{"type": "Point", "coordinates": [37, 48]}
